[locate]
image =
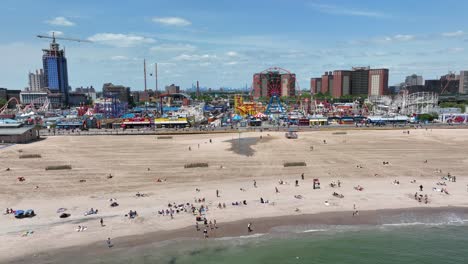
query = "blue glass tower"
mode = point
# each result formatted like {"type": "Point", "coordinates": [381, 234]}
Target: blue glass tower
{"type": "Point", "coordinates": [55, 70]}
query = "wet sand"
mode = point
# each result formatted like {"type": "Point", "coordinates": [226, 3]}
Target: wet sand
{"type": "Point", "coordinates": [243, 145]}
{"type": "Point", "coordinates": [95, 251]}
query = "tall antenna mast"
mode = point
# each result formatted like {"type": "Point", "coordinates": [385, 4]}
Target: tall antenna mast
{"type": "Point", "coordinates": [156, 76]}
{"type": "Point", "coordinates": [144, 71]}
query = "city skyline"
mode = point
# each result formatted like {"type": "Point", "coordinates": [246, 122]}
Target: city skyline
{"type": "Point", "coordinates": [225, 43]}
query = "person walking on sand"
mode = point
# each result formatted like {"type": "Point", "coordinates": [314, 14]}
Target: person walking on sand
{"type": "Point", "coordinates": [109, 243]}
{"type": "Point", "coordinates": [255, 183]}
{"type": "Point", "coordinates": [302, 176]}
{"type": "Point", "coordinates": [420, 188]}
{"type": "Point", "coordinates": [214, 223]}
{"type": "Point", "coordinates": [217, 193]}
{"type": "Point", "coordinates": [249, 227]}
{"type": "Point", "coordinates": [102, 222]}
{"type": "Point", "coordinates": [205, 233]}
{"type": "Point", "coordinates": [276, 189]}
{"type": "Point", "coordinates": [297, 183]}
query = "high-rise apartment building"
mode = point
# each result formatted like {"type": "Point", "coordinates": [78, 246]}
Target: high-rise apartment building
{"type": "Point", "coordinates": [378, 81]}
{"type": "Point", "coordinates": [463, 87]}
{"type": "Point", "coordinates": [37, 81]}
{"type": "Point", "coordinates": [55, 70]}
{"type": "Point", "coordinates": [315, 85]}
{"type": "Point", "coordinates": [327, 82]}
{"type": "Point", "coordinates": [341, 83]}
{"type": "Point", "coordinates": [358, 81]}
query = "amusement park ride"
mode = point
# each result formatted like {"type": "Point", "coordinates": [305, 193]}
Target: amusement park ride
{"type": "Point", "coordinates": [247, 108]}
{"type": "Point", "coordinates": [276, 88]}
{"type": "Point", "coordinates": [38, 105]}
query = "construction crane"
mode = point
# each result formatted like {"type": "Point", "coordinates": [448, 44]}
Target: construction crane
{"type": "Point", "coordinates": [449, 77]}
{"type": "Point", "coordinates": [69, 39]}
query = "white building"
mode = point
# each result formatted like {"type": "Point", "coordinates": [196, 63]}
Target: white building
{"type": "Point", "coordinates": [463, 88]}
{"type": "Point", "coordinates": [414, 80]}
{"type": "Point", "coordinates": [37, 81]}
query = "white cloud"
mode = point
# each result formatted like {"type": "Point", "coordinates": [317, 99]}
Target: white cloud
{"type": "Point", "coordinates": [173, 47]}
{"type": "Point", "coordinates": [172, 21]}
{"type": "Point", "coordinates": [194, 57]}
{"type": "Point", "coordinates": [232, 63]}
{"type": "Point", "coordinates": [119, 58]}
{"type": "Point", "coordinates": [403, 37]}
{"type": "Point", "coordinates": [341, 10]}
{"type": "Point", "coordinates": [120, 40]}
{"type": "Point", "coordinates": [60, 21]}
{"type": "Point", "coordinates": [398, 37]}
{"type": "Point", "coordinates": [458, 33]}
{"type": "Point", "coordinates": [232, 54]}
{"type": "Point", "coordinates": [55, 32]}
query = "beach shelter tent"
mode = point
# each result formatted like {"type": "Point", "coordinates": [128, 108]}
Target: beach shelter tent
{"type": "Point", "coordinates": [237, 118]}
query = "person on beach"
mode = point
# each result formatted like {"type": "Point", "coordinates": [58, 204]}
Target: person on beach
{"type": "Point", "coordinates": [205, 233]}
{"type": "Point", "coordinates": [102, 222]}
{"type": "Point", "coordinates": [214, 223]}
{"type": "Point", "coordinates": [255, 184]}
{"type": "Point", "coordinates": [302, 176]}
{"type": "Point", "coordinates": [420, 188]}
{"type": "Point", "coordinates": [249, 227]}
{"type": "Point", "coordinates": [197, 227]}
{"type": "Point", "coordinates": [109, 243]}
{"type": "Point", "coordinates": [276, 189]}
{"type": "Point", "coordinates": [217, 193]}
{"type": "Point", "coordinates": [297, 183]}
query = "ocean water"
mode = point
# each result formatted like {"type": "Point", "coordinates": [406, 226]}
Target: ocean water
{"type": "Point", "coordinates": [392, 243]}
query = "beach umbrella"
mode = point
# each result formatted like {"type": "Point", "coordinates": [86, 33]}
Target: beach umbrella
{"type": "Point", "coordinates": [259, 115]}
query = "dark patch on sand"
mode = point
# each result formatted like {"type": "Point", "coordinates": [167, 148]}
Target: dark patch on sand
{"type": "Point", "coordinates": [243, 146]}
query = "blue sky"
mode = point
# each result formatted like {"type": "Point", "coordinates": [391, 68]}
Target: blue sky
{"type": "Point", "coordinates": [222, 43]}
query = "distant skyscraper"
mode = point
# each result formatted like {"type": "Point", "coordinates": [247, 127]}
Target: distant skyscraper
{"type": "Point", "coordinates": [414, 80]}
{"type": "Point", "coordinates": [463, 88]}
{"type": "Point", "coordinates": [37, 81]}
{"type": "Point", "coordinates": [55, 70]}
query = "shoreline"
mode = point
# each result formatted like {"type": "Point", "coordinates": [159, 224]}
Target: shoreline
{"type": "Point", "coordinates": [238, 228]}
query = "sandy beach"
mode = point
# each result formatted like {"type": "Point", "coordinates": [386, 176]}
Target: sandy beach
{"type": "Point", "coordinates": [235, 161]}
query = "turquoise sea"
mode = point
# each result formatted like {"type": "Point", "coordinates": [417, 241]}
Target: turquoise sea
{"type": "Point", "coordinates": [401, 243]}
